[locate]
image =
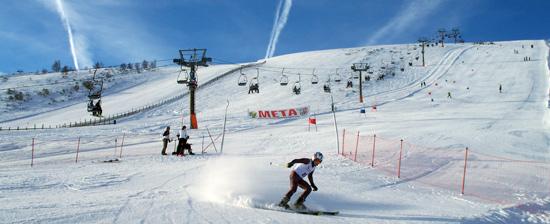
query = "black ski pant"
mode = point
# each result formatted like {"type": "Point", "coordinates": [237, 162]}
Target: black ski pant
{"type": "Point", "coordinates": [181, 145]}
{"type": "Point", "coordinates": [295, 182]}
{"type": "Point", "coordinates": [164, 145]}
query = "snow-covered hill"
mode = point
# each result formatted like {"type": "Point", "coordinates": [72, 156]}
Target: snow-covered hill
{"type": "Point", "coordinates": [214, 188]}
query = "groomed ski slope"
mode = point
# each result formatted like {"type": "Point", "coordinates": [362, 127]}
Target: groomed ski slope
{"type": "Point", "coordinates": [149, 188]}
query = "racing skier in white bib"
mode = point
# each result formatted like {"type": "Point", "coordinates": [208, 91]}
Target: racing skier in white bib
{"type": "Point", "coordinates": [300, 169]}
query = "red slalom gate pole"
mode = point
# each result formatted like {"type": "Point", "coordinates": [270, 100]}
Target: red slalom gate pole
{"type": "Point", "coordinates": [32, 153]}
{"type": "Point", "coordinates": [399, 163]}
{"type": "Point", "coordinates": [77, 149]}
{"type": "Point", "coordinates": [343, 140]}
{"type": "Point", "coordinates": [373, 149]}
{"type": "Point", "coordinates": [122, 145]}
{"type": "Point", "coordinates": [356, 146]}
{"type": "Point", "coordinates": [464, 175]}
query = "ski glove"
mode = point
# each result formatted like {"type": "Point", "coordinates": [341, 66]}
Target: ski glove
{"type": "Point", "coordinates": [288, 165]}
{"type": "Point", "coordinates": [314, 187]}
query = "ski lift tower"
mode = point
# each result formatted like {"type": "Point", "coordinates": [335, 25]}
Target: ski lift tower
{"type": "Point", "coordinates": [192, 58]}
{"type": "Point", "coordinates": [360, 67]}
{"type": "Point", "coordinates": [442, 33]}
{"type": "Point", "coordinates": [455, 34]}
{"type": "Point", "coordinates": [423, 41]}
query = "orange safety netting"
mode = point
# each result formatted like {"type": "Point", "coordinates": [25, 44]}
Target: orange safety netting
{"type": "Point", "coordinates": [456, 170]}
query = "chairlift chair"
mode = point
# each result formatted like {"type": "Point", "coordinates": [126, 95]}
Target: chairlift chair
{"type": "Point", "coordinates": [314, 78]}
{"type": "Point", "coordinates": [297, 88]}
{"type": "Point", "coordinates": [91, 105]}
{"type": "Point", "coordinates": [242, 79]}
{"type": "Point", "coordinates": [97, 88]}
{"type": "Point", "coordinates": [337, 78]}
{"type": "Point", "coordinates": [254, 86]}
{"type": "Point", "coordinates": [349, 83]}
{"type": "Point", "coordinates": [326, 87]}
{"type": "Point", "coordinates": [284, 80]}
{"type": "Point", "coordinates": [183, 79]}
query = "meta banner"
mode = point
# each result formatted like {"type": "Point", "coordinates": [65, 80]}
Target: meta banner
{"type": "Point", "coordinates": [278, 114]}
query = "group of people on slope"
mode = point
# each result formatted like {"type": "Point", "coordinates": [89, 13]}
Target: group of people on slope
{"type": "Point", "coordinates": [182, 137]}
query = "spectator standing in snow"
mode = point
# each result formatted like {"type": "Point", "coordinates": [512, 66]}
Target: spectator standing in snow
{"type": "Point", "coordinates": [182, 141]}
{"type": "Point", "coordinates": [165, 140]}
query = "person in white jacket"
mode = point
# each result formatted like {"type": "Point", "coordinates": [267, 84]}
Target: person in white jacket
{"type": "Point", "coordinates": [182, 141]}
{"type": "Point", "coordinates": [301, 168]}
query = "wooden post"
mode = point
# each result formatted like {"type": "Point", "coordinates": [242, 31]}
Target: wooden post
{"type": "Point", "coordinates": [356, 146]}
{"type": "Point", "coordinates": [343, 140]}
{"type": "Point", "coordinates": [115, 145]}
{"type": "Point", "coordinates": [464, 175]}
{"type": "Point", "coordinates": [373, 150]}
{"type": "Point", "coordinates": [122, 145]}
{"type": "Point", "coordinates": [202, 145]}
{"type": "Point", "coordinates": [32, 152]}
{"type": "Point", "coordinates": [399, 163]}
{"type": "Point", "coordinates": [77, 150]}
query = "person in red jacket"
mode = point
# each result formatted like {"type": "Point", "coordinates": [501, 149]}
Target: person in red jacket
{"type": "Point", "coordinates": [300, 169]}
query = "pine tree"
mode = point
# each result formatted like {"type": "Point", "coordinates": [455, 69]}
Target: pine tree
{"type": "Point", "coordinates": [138, 67]}
{"type": "Point", "coordinates": [65, 70]}
{"type": "Point", "coordinates": [56, 66]}
{"type": "Point", "coordinates": [145, 64]}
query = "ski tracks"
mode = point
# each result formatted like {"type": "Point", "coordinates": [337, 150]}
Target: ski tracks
{"type": "Point", "coordinates": [151, 195]}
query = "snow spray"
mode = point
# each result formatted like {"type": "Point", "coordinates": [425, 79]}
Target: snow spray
{"type": "Point", "coordinates": [278, 25]}
{"type": "Point", "coordinates": [239, 181]}
{"type": "Point", "coordinates": [225, 178]}
{"type": "Point", "coordinates": [65, 21]}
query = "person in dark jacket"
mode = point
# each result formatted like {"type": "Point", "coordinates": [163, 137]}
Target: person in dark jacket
{"type": "Point", "coordinates": [98, 108]}
{"type": "Point", "coordinates": [300, 169]}
{"type": "Point", "coordinates": [165, 140]}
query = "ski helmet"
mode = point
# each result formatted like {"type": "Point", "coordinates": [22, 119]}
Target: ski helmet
{"type": "Point", "coordinates": [318, 155]}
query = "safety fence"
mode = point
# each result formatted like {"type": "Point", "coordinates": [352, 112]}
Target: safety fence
{"type": "Point", "coordinates": [459, 171]}
{"type": "Point", "coordinates": [112, 119]}
{"type": "Point", "coordinates": [45, 150]}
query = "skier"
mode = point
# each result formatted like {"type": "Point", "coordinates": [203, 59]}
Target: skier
{"type": "Point", "coordinates": [165, 140]}
{"type": "Point", "coordinates": [500, 88]}
{"type": "Point", "coordinates": [449, 95]}
{"type": "Point", "coordinates": [300, 169]}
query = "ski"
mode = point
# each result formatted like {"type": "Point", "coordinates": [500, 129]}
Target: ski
{"type": "Point", "coordinates": [299, 211]}
{"type": "Point", "coordinates": [107, 161]}
{"type": "Point", "coordinates": [314, 212]}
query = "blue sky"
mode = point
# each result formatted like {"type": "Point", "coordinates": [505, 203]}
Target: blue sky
{"type": "Point", "coordinates": [32, 34]}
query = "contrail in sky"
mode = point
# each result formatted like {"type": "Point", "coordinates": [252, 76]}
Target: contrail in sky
{"type": "Point", "coordinates": [278, 25]}
{"type": "Point", "coordinates": [412, 15]}
{"type": "Point", "coordinates": [65, 21]}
